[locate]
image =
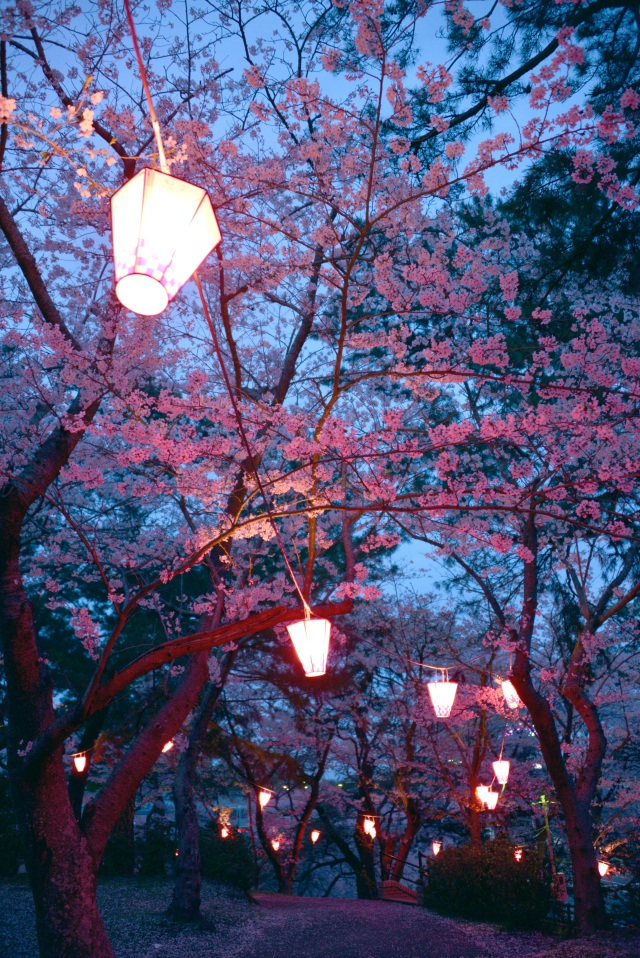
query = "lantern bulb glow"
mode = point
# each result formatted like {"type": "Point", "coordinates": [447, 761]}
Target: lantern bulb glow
{"type": "Point", "coordinates": [481, 793]}
{"type": "Point", "coordinates": [80, 762]}
{"type": "Point", "coordinates": [603, 868]}
{"type": "Point", "coordinates": [163, 228]}
{"type": "Point", "coordinates": [310, 639]}
{"type": "Point", "coordinates": [517, 854]}
{"type": "Point", "coordinates": [442, 695]}
{"type": "Point", "coordinates": [511, 697]}
{"type": "Point", "coordinates": [501, 771]}
{"type": "Point", "coordinates": [437, 847]}
{"type": "Point", "coordinates": [264, 797]}
{"type": "Point", "coordinates": [492, 799]}
{"type": "Point", "coordinates": [167, 746]}
{"type": "Point", "coordinates": [315, 835]}
{"type": "Point", "coordinates": [369, 827]}
{"type": "Point", "coordinates": [275, 844]}
{"type": "Point", "coordinates": [224, 832]}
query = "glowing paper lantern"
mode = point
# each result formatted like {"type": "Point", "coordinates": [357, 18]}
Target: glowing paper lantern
{"type": "Point", "coordinates": [501, 771]}
{"type": "Point", "coordinates": [492, 799]}
{"type": "Point", "coordinates": [315, 835]}
{"type": "Point", "coordinates": [80, 762]}
{"type": "Point", "coordinates": [310, 639]}
{"type": "Point", "coordinates": [264, 797]}
{"type": "Point", "coordinates": [603, 868]}
{"type": "Point", "coordinates": [275, 844]}
{"type": "Point", "coordinates": [437, 847]}
{"type": "Point", "coordinates": [442, 695]}
{"type": "Point", "coordinates": [517, 854]}
{"type": "Point", "coordinates": [511, 697]}
{"type": "Point", "coordinates": [167, 746]}
{"type": "Point", "coordinates": [369, 827]}
{"type": "Point", "coordinates": [163, 228]}
{"type": "Point", "coordinates": [224, 832]}
{"type": "Point", "coordinates": [481, 793]}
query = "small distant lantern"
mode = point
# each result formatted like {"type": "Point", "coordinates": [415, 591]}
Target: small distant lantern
{"type": "Point", "coordinates": [501, 771]}
{"type": "Point", "coordinates": [517, 854]}
{"type": "Point", "coordinates": [481, 793]}
{"type": "Point", "coordinates": [492, 799]}
{"type": "Point", "coordinates": [264, 797]}
{"type": "Point", "coordinates": [603, 868]}
{"type": "Point", "coordinates": [224, 832]}
{"type": "Point", "coordinates": [80, 762]}
{"type": "Point", "coordinates": [167, 746]}
{"type": "Point", "coordinates": [369, 827]}
{"type": "Point", "coordinates": [310, 639]}
{"type": "Point", "coordinates": [511, 697]}
{"type": "Point", "coordinates": [315, 835]}
{"type": "Point", "coordinates": [442, 693]}
{"type": "Point", "coordinates": [163, 228]}
{"type": "Point", "coordinates": [437, 847]}
{"type": "Point", "coordinates": [275, 844]}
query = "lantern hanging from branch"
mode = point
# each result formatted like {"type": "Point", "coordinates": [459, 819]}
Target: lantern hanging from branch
{"type": "Point", "coordinates": [80, 762]}
{"type": "Point", "coordinates": [224, 832]}
{"type": "Point", "coordinates": [369, 827]}
{"type": "Point", "coordinates": [167, 746]}
{"type": "Point", "coordinates": [442, 693]}
{"type": "Point", "coordinates": [163, 228]}
{"type": "Point", "coordinates": [517, 854]}
{"type": "Point", "coordinates": [481, 793]}
{"type": "Point", "coordinates": [264, 797]}
{"type": "Point", "coordinates": [603, 868]}
{"type": "Point", "coordinates": [511, 697]}
{"type": "Point", "coordinates": [315, 835]}
{"type": "Point", "coordinates": [310, 639]}
{"type": "Point", "coordinates": [492, 799]}
{"type": "Point", "coordinates": [437, 847]}
{"type": "Point", "coordinates": [275, 844]}
{"type": "Point", "coordinates": [501, 771]}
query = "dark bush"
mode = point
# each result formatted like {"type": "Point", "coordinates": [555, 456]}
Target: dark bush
{"type": "Point", "coordinates": [156, 849]}
{"type": "Point", "coordinates": [486, 883]}
{"type": "Point", "coordinates": [227, 860]}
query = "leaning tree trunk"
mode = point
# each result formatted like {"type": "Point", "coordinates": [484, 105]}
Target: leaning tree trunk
{"type": "Point", "coordinates": [186, 899]}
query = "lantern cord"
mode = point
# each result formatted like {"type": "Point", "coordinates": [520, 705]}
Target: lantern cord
{"type": "Point", "coordinates": [164, 166]}
{"type": "Point", "coordinates": [245, 441]}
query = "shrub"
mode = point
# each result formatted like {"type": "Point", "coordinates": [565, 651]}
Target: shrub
{"type": "Point", "coordinates": [156, 849]}
{"type": "Point", "coordinates": [486, 883]}
{"type": "Point", "coordinates": [227, 860]}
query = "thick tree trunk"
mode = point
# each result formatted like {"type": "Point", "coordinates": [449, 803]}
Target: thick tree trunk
{"type": "Point", "coordinates": [61, 868]}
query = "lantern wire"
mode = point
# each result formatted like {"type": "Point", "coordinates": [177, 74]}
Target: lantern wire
{"type": "Point", "coordinates": [164, 166]}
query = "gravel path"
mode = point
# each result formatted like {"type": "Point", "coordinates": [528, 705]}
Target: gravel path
{"type": "Point", "coordinates": [278, 926]}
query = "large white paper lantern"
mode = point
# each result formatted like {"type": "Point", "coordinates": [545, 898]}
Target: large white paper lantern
{"type": "Point", "coordinates": [511, 697]}
{"type": "Point", "coordinates": [436, 847]}
{"type": "Point", "coordinates": [481, 793]}
{"type": "Point", "coordinates": [264, 797]}
{"type": "Point", "coordinates": [80, 762]}
{"type": "Point", "coordinates": [310, 639]}
{"type": "Point", "coordinates": [442, 695]}
{"type": "Point", "coordinates": [491, 799]}
{"type": "Point", "coordinates": [501, 771]}
{"type": "Point", "coordinates": [163, 228]}
{"type": "Point", "coordinates": [603, 868]}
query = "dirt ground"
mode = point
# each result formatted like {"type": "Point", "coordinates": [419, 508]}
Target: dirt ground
{"type": "Point", "coordinates": [276, 926]}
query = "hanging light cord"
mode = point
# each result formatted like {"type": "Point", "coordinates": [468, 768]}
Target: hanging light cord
{"type": "Point", "coordinates": [164, 166]}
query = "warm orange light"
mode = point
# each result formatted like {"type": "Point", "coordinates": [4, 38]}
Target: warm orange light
{"type": "Point", "coordinates": [310, 639]}
{"type": "Point", "coordinates": [80, 762]}
{"type": "Point", "coordinates": [163, 228]}
{"type": "Point", "coordinates": [264, 797]}
{"type": "Point", "coordinates": [517, 854]}
{"type": "Point", "coordinates": [315, 835]}
{"type": "Point", "coordinates": [167, 746]}
{"type": "Point", "coordinates": [369, 827]}
{"type": "Point", "coordinates": [603, 868]}
{"type": "Point", "coordinates": [511, 697]}
{"type": "Point", "coordinates": [491, 799]}
{"type": "Point", "coordinates": [501, 771]}
{"type": "Point", "coordinates": [275, 844]}
{"type": "Point", "coordinates": [224, 832]}
{"type": "Point", "coordinates": [481, 793]}
{"type": "Point", "coordinates": [437, 847]}
{"type": "Point", "coordinates": [442, 696]}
